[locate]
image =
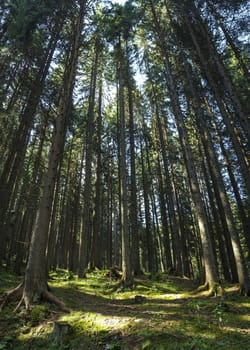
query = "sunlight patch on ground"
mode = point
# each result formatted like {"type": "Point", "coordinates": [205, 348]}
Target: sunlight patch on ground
{"type": "Point", "coordinates": [96, 321]}
{"type": "Point", "coordinates": [245, 305]}
{"type": "Point", "coordinates": [113, 322]}
{"type": "Point", "coordinates": [172, 296]}
{"type": "Point", "coordinates": [236, 329]}
{"type": "Point", "coordinates": [42, 331]}
{"type": "Point", "coordinates": [245, 318]}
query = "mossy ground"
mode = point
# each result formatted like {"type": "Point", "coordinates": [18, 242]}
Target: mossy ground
{"type": "Point", "coordinates": [168, 315]}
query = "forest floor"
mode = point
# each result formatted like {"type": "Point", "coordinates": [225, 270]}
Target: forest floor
{"type": "Point", "coordinates": [159, 313]}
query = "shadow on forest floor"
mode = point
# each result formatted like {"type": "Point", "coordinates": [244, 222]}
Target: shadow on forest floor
{"type": "Point", "coordinates": [155, 315]}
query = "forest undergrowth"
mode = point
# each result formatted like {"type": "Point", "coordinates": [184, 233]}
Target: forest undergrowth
{"type": "Point", "coordinates": [160, 312]}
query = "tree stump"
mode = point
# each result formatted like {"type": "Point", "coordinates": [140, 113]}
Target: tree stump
{"type": "Point", "coordinates": [61, 332]}
{"type": "Point", "coordinates": [139, 299]}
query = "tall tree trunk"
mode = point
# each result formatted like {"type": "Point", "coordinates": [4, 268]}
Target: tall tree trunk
{"type": "Point", "coordinates": [164, 219]}
{"type": "Point", "coordinates": [17, 149]}
{"type": "Point", "coordinates": [170, 195]}
{"type": "Point", "coordinates": [211, 274]}
{"type": "Point", "coordinates": [229, 39]}
{"type": "Point", "coordinates": [85, 238]}
{"type": "Point", "coordinates": [244, 210]}
{"type": "Point", "coordinates": [150, 246]}
{"type": "Point", "coordinates": [133, 187]}
{"type": "Point", "coordinates": [32, 200]}
{"type": "Point", "coordinates": [127, 277]}
{"type": "Point", "coordinates": [35, 285]}
{"type": "Point", "coordinates": [226, 80]}
{"type": "Point", "coordinates": [229, 123]}
{"type": "Point", "coordinates": [97, 242]}
{"type": "Point", "coordinates": [221, 193]}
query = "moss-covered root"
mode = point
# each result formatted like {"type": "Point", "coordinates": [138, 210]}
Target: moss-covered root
{"type": "Point", "coordinates": [211, 289]}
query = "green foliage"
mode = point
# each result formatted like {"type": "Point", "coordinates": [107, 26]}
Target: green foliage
{"type": "Point", "coordinates": [120, 21]}
{"type": "Point", "coordinates": [146, 345]}
{"type": "Point", "coordinates": [196, 343]}
{"type": "Point", "coordinates": [26, 22]}
{"type": "Point", "coordinates": [5, 342]}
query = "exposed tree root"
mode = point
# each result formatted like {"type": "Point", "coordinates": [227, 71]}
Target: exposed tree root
{"type": "Point", "coordinates": [12, 294]}
{"type": "Point", "coordinates": [244, 291]}
{"type": "Point", "coordinates": [215, 290]}
{"type": "Point", "coordinates": [19, 304]}
{"type": "Point", "coordinates": [114, 273]}
{"type": "Point", "coordinates": [117, 286]}
{"type": "Point", "coordinates": [123, 284]}
{"type": "Point", "coordinates": [211, 289]}
{"type": "Point", "coordinates": [202, 288]}
{"type": "Point", "coordinates": [18, 293]}
{"type": "Point", "coordinates": [53, 299]}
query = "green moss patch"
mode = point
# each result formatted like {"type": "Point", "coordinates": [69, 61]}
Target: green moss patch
{"type": "Point", "coordinates": [158, 313]}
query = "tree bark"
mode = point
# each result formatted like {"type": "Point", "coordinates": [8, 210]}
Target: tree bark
{"type": "Point", "coordinates": [127, 276]}
{"type": "Point", "coordinates": [133, 187]}
{"type": "Point", "coordinates": [35, 286]}
{"type": "Point", "coordinates": [211, 274]}
{"type": "Point", "coordinates": [86, 227]}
